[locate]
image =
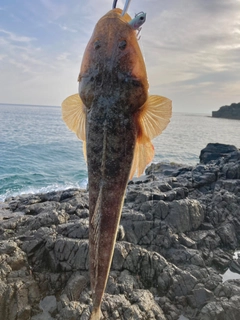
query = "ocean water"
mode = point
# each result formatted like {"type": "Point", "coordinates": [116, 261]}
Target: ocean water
{"type": "Point", "coordinates": [39, 154]}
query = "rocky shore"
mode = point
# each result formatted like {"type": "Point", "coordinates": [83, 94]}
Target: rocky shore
{"type": "Point", "coordinates": [179, 230]}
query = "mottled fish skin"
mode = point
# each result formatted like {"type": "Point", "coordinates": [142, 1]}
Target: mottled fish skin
{"type": "Point", "coordinates": [113, 87]}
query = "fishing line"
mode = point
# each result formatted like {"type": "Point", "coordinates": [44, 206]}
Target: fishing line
{"type": "Point", "coordinates": [114, 4]}
{"type": "Point", "coordinates": [125, 9]}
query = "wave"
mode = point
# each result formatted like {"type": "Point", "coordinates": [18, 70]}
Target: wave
{"type": "Point", "coordinates": [35, 190]}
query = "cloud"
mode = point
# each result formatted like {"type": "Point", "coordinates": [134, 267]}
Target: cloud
{"type": "Point", "coordinates": [16, 38]}
{"type": "Point", "coordinates": [191, 48]}
{"type": "Point", "coordinates": [64, 56]}
{"type": "Point", "coordinates": [191, 39]}
{"type": "Point", "coordinates": [65, 28]}
{"type": "Point", "coordinates": [54, 9]}
{"type": "Point", "coordinates": [18, 51]}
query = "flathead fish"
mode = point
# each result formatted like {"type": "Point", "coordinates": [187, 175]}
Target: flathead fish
{"type": "Point", "coordinates": [116, 119]}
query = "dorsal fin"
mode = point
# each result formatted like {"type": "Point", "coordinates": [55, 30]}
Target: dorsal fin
{"type": "Point", "coordinates": [153, 119]}
{"type": "Point", "coordinates": [74, 115]}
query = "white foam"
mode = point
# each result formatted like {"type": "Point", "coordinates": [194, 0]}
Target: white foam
{"type": "Point", "coordinates": [34, 190]}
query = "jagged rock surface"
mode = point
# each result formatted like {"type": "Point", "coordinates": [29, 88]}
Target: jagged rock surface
{"type": "Point", "coordinates": [179, 228]}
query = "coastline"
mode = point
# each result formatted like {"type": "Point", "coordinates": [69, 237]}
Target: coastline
{"type": "Point", "coordinates": [228, 112]}
{"type": "Point", "coordinates": [179, 230]}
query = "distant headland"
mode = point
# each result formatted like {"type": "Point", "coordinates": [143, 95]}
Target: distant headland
{"type": "Point", "coordinates": [229, 112]}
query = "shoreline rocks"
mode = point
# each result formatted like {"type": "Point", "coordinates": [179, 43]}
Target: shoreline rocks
{"type": "Point", "coordinates": [179, 229]}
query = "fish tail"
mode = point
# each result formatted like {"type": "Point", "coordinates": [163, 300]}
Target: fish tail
{"type": "Point", "coordinates": [96, 314]}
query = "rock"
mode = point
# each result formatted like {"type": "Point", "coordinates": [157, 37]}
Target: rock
{"type": "Point", "coordinates": [139, 305]}
{"type": "Point", "coordinates": [185, 215]}
{"type": "Point", "coordinates": [75, 285]}
{"type": "Point", "coordinates": [221, 310]}
{"type": "Point", "coordinates": [179, 228]}
{"type": "Point", "coordinates": [18, 289]}
{"type": "Point", "coordinates": [221, 259]}
{"type": "Point", "coordinates": [200, 296]}
{"type": "Point", "coordinates": [214, 151]}
{"type": "Point", "coordinates": [235, 265]}
{"type": "Point", "coordinates": [48, 305]}
{"type": "Point", "coordinates": [228, 112]}
{"type": "Point", "coordinates": [227, 234]}
{"type": "Point", "coordinates": [166, 169]}
{"type": "Point", "coordinates": [207, 239]}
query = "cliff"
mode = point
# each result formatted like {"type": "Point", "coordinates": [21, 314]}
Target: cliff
{"type": "Point", "coordinates": [229, 112]}
{"type": "Point", "coordinates": [180, 226]}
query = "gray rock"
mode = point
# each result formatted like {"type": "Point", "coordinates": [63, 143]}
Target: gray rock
{"type": "Point", "coordinates": [185, 215]}
{"type": "Point", "coordinates": [208, 239]}
{"type": "Point", "coordinates": [48, 304]}
{"type": "Point", "coordinates": [229, 112]}
{"type": "Point", "coordinates": [224, 309]}
{"type": "Point", "coordinates": [200, 296]}
{"type": "Point", "coordinates": [227, 234]}
{"type": "Point", "coordinates": [214, 151]}
{"type": "Point", "coordinates": [75, 286]}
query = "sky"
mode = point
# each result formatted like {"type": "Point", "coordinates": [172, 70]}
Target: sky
{"type": "Point", "coordinates": [191, 49]}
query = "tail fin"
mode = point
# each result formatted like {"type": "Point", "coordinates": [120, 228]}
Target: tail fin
{"type": "Point", "coordinates": [96, 314]}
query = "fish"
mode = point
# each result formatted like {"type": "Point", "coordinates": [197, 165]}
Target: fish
{"type": "Point", "coordinates": [116, 119]}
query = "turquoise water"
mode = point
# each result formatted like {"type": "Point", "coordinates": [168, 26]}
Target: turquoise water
{"type": "Point", "coordinates": [38, 153]}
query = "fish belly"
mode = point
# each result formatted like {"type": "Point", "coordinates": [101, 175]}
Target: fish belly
{"type": "Point", "coordinates": [111, 138]}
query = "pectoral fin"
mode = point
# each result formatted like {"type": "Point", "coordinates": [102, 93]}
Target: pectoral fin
{"type": "Point", "coordinates": [155, 116]}
{"type": "Point", "coordinates": [153, 119]}
{"type": "Point", "coordinates": [74, 115]}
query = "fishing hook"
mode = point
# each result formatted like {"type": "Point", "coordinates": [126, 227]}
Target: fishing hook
{"type": "Point", "coordinates": [138, 21]}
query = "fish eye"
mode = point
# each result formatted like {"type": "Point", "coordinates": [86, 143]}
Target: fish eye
{"type": "Point", "coordinates": [97, 45]}
{"type": "Point", "coordinates": [122, 44]}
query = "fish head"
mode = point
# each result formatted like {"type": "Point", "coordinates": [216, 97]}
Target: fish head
{"type": "Point", "coordinates": [113, 64]}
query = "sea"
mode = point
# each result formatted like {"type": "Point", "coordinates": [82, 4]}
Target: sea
{"type": "Point", "coordinates": [39, 154]}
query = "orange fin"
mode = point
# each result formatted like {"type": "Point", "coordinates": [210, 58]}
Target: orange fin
{"type": "Point", "coordinates": [143, 155]}
{"type": "Point", "coordinates": [153, 119]}
{"type": "Point", "coordinates": [96, 314]}
{"type": "Point", "coordinates": [74, 115]}
{"type": "Point", "coordinates": [155, 116]}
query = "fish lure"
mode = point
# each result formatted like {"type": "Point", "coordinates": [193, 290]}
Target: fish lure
{"type": "Point", "coordinates": [116, 119]}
